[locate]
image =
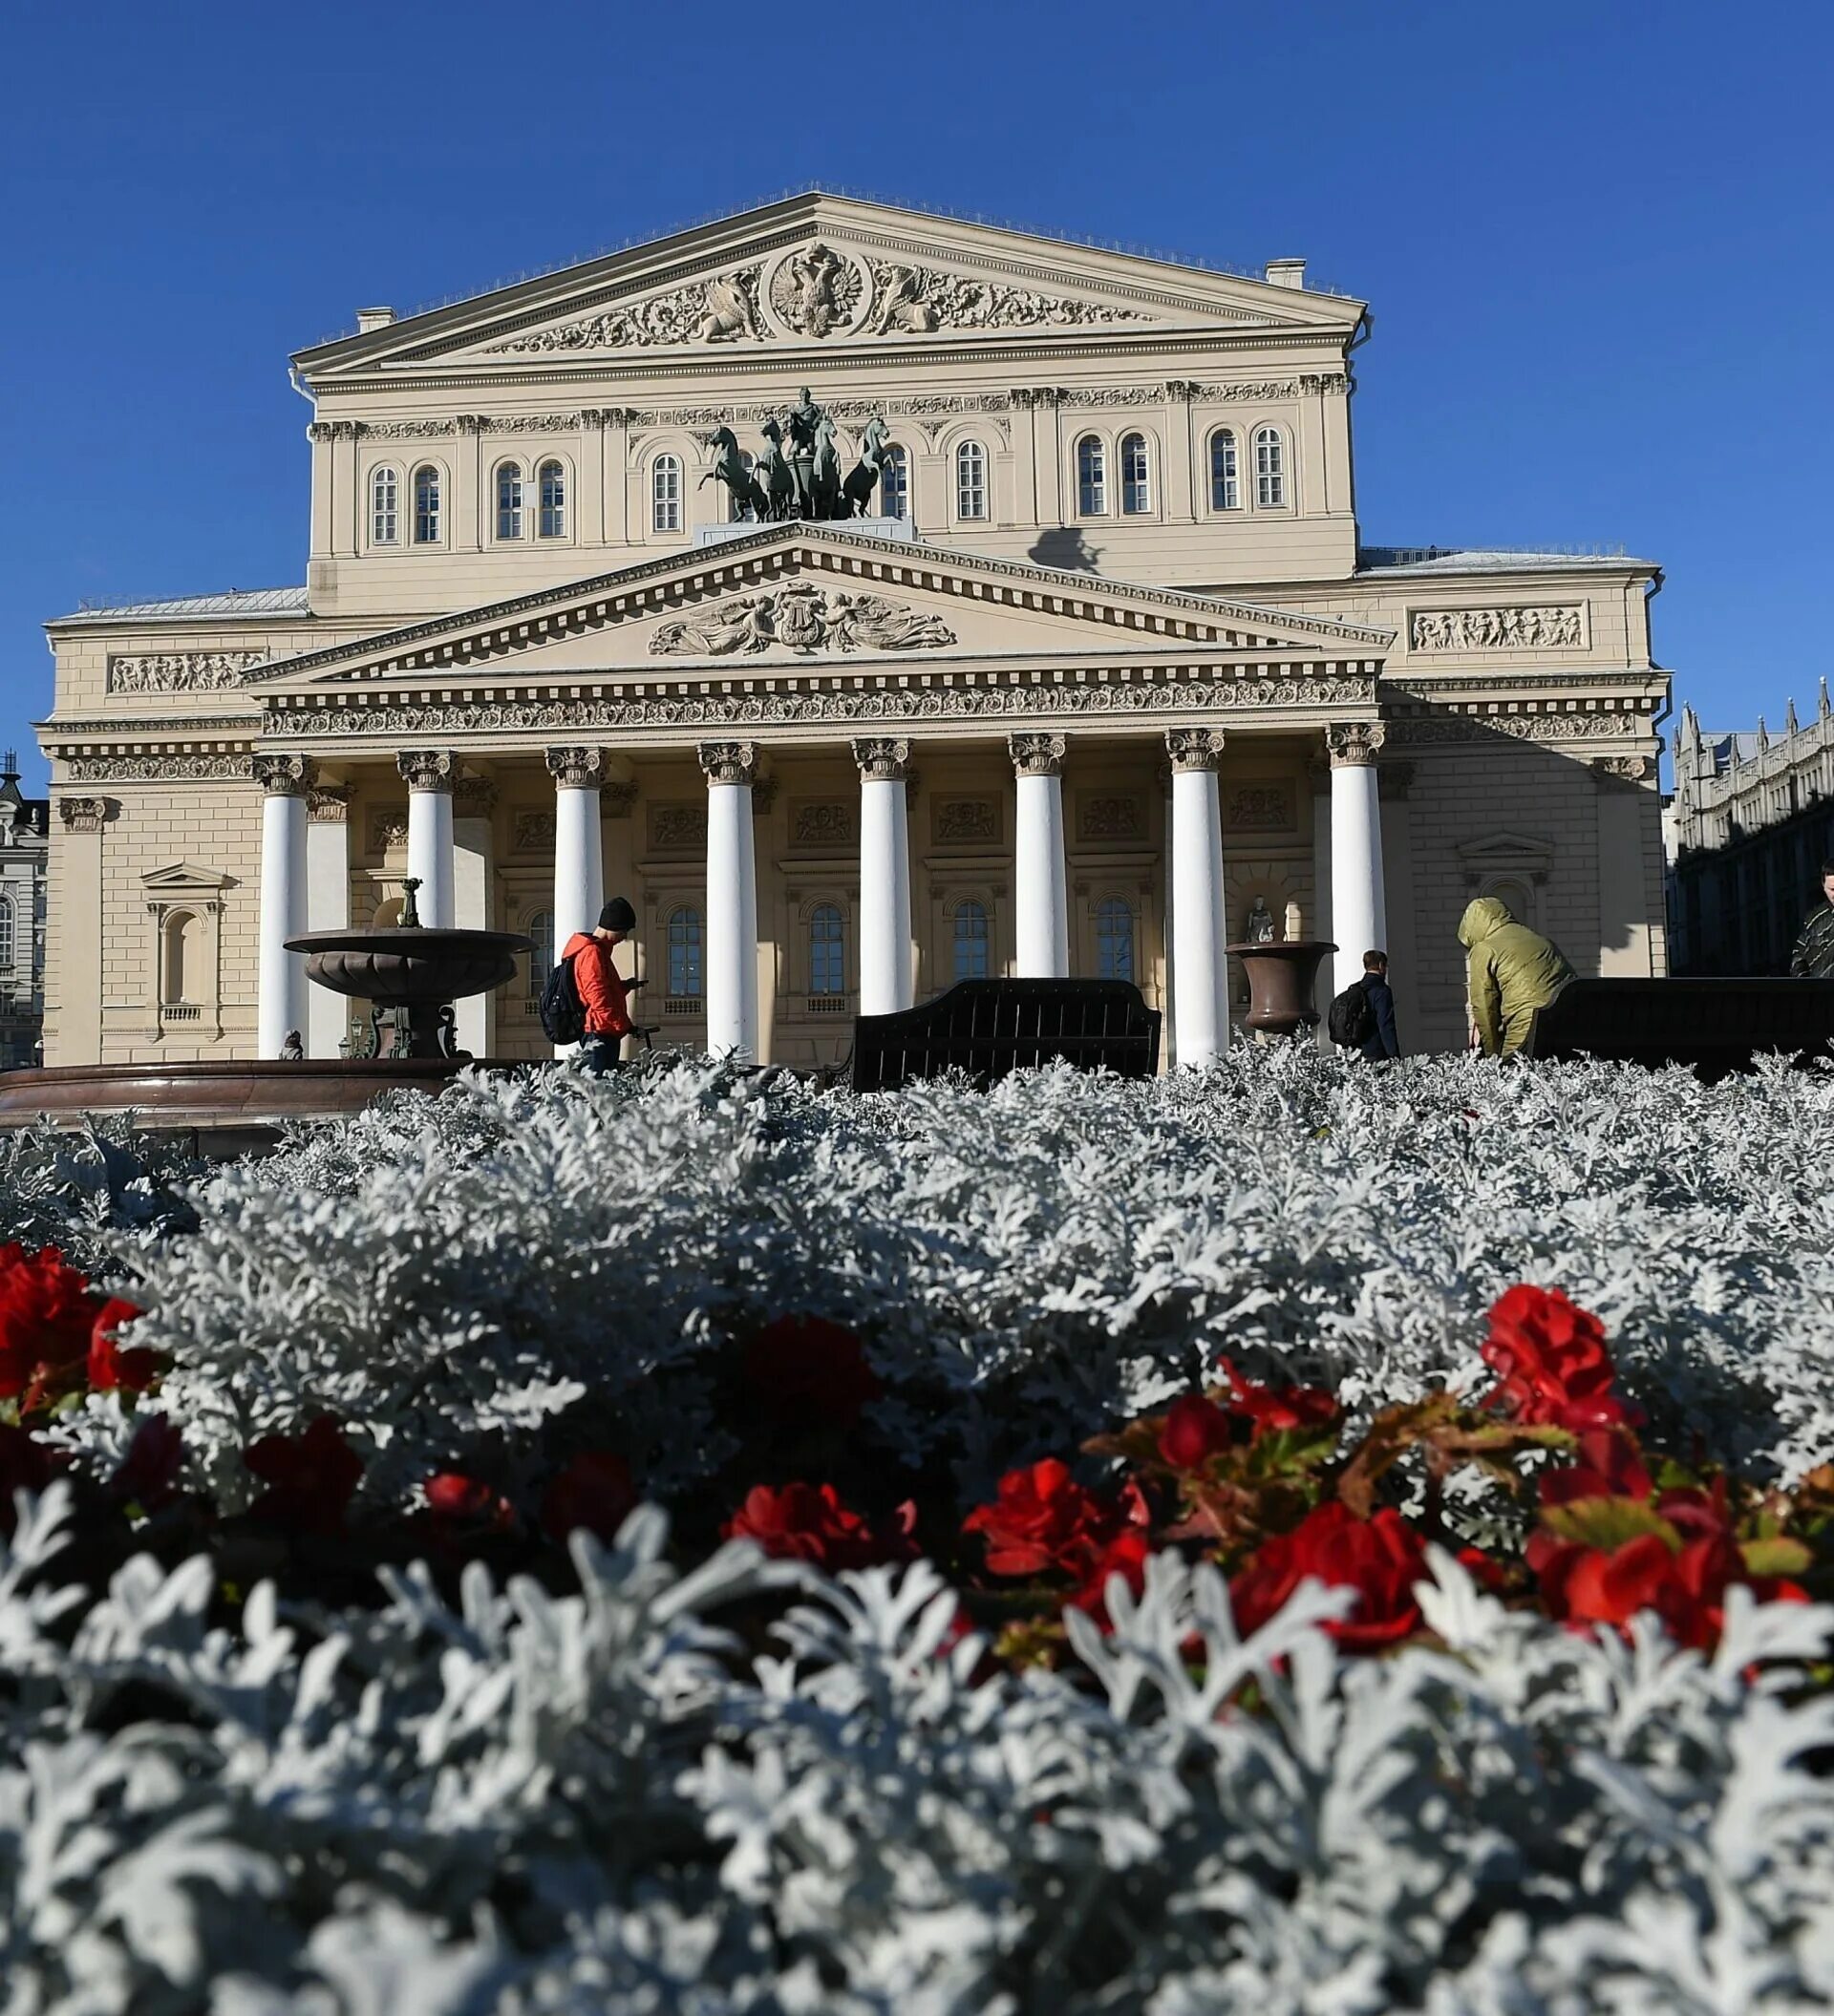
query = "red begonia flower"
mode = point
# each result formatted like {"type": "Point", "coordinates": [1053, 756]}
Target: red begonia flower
{"type": "Point", "coordinates": [1194, 1430]}
{"type": "Point", "coordinates": [49, 1323]}
{"type": "Point", "coordinates": [1380, 1558]}
{"type": "Point", "coordinates": [1554, 1370]}
{"type": "Point", "coordinates": [1043, 1522]}
{"type": "Point", "coordinates": [148, 1475]}
{"type": "Point", "coordinates": [805, 1522]}
{"type": "Point", "coordinates": [1274, 1408]}
{"type": "Point", "coordinates": [594, 1491]}
{"type": "Point", "coordinates": [458, 1500]}
{"type": "Point", "coordinates": [133, 1370]}
{"type": "Point", "coordinates": [310, 1478]}
{"type": "Point", "coordinates": [804, 1368]}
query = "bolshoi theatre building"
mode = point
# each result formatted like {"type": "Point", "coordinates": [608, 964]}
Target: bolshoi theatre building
{"type": "Point", "coordinates": [878, 601]}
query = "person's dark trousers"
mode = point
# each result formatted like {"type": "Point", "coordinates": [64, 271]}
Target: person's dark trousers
{"type": "Point", "coordinates": [1384, 1043]}
{"type": "Point", "coordinates": [599, 1053]}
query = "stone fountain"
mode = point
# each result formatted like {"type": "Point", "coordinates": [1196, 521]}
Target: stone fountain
{"type": "Point", "coordinates": [410, 974]}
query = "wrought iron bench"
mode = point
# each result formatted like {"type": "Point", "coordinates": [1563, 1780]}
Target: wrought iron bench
{"type": "Point", "coordinates": [989, 1028]}
{"type": "Point", "coordinates": [1716, 1024]}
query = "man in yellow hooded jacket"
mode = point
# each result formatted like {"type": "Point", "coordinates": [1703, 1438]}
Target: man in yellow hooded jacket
{"type": "Point", "coordinates": [1512, 972]}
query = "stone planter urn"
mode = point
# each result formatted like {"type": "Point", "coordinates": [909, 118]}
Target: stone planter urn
{"type": "Point", "coordinates": [1283, 980]}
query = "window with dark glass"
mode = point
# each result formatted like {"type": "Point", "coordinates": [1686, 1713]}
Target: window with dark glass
{"type": "Point", "coordinates": [972, 945]}
{"type": "Point", "coordinates": [827, 952]}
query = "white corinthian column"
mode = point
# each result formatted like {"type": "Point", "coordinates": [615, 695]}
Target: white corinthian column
{"type": "Point", "coordinates": [1358, 906]}
{"type": "Point", "coordinates": [1041, 899]}
{"type": "Point", "coordinates": [280, 1002]}
{"type": "Point", "coordinates": [885, 874]}
{"type": "Point", "coordinates": [732, 898]}
{"type": "Point", "coordinates": [1200, 962]}
{"type": "Point", "coordinates": [430, 774]}
{"type": "Point", "coordinates": [579, 853]}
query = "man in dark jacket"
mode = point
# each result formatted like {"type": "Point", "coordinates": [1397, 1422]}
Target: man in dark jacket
{"type": "Point", "coordinates": [1813, 958]}
{"type": "Point", "coordinates": [1382, 1040]}
{"type": "Point", "coordinates": [601, 986]}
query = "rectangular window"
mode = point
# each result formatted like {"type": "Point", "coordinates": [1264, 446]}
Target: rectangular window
{"type": "Point", "coordinates": [1225, 488]}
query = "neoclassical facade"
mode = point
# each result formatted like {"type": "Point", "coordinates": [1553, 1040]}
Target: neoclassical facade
{"type": "Point", "coordinates": [1100, 662]}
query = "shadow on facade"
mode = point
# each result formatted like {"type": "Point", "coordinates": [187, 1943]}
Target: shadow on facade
{"type": "Point", "coordinates": [1065, 546]}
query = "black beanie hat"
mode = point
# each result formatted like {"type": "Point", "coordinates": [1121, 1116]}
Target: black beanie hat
{"type": "Point", "coordinates": [618, 916]}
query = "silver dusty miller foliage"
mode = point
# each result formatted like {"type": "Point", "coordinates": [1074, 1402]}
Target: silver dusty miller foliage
{"type": "Point", "coordinates": [560, 1805]}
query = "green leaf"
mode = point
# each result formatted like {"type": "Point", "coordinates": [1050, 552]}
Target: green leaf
{"type": "Point", "coordinates": [1607, 1523]}
{"type": "Point", "coordinates": [1775, 1557]}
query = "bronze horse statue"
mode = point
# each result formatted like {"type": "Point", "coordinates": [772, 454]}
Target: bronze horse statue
{"type": "Point", "coordinates": [825, 478]}
{"type": "Point", "coordinates": [773, 475]}
{"type": "Point", "coordinates": [863, 478]}
{"type": "Point", "coordinates": [729, 468]}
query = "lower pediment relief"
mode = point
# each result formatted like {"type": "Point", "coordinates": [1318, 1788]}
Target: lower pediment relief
{"type": "Point", "coordinates": [802, 619]}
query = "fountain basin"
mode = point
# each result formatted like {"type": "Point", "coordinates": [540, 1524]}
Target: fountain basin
{"type": "Point", "coordinates": [415, 970]}
{"type": "Point", "coordinates": [1282, 979]}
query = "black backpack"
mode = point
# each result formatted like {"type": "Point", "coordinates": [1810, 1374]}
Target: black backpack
{"type": "Point", "coordinates": [563, 1011]}
{"type": "Point", "coordinates": [1351, 1021]}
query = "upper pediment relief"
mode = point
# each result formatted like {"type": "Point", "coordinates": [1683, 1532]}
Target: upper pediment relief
{"type": "Point", "coordinates": [822, 272]}
{"type": "Point", "coordinates": [821, 294]}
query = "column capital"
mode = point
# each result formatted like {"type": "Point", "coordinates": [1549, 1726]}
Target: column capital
{"type": "Point", "coordinates": [728, 762]}
{"type": "Point", "coordinates": [1194, 748]}
{"type": "Point", "coordinates": [1354, 744]}
{"type": "Point", "coordinates": [428, 769]}
{"type": "Point", "coordinates": [884, 759]}
{"type": "Point", "coordinates": [327, 805]}
{"type": "Point", "coordinates": [1037, 755]}
{"type": "Point", "coordinates": [576, 769]}
{"type": "Point", "coordinates": [286, 776]}
{"type": "Point", "coordinates": [83, 815]}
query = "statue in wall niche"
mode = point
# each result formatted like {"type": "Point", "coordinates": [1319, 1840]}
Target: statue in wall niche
{"type": "Point", "coordinates": [1260, 925]}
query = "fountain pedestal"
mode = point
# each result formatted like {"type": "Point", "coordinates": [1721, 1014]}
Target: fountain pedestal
{"type": "Point", "coordinates": [1283, 982]}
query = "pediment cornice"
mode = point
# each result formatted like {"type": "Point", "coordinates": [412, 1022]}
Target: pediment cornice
{"type": "Point", "coordinates": [823, 275]}
{"type": "Point", "coordinates": [1095, 615]}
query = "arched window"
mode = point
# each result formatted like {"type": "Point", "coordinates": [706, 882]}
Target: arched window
{"type": "Point", "coordinates": [665, 491]}
{"type": "Point", "coordinates": [8, 941]}
{"type": "Point", "coordinates": [971, 480]}
{"type": "Point", "coordinates": [1226, 482]}
{"type": "Point", "coordinates": [383, 492]}
{"type": "Point", "coordinates": [1136, 475]}
{"type": "Point", "coordinates": [828, 951]}
{"type": "Point", "coordinates": [509, 500]}
{"type": "Point", "coordinates": [426, 507]}
{"type": "Point", "coordinates": [553, 495]}
{"type": "Point", "coordinates": [971, 940]}
{"type": "Point", "coordinates": [894, 484]}
{"type": "Point", "coordinates": [1269, 469]}
{"type": "Point", "coordinates": [541, 961]}
{"type": "Point", "coordinates": [685, 982]}
{"type": "Point", "coordinates": [1114, 939]}
{"type": "Point", "coordinates": [1091, 476]}
{"type": "Point", "coordinates": [181, 983]}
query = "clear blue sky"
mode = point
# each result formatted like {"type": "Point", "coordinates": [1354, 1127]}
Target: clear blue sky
{"type": "Point", "coordinates": [1596, 239]}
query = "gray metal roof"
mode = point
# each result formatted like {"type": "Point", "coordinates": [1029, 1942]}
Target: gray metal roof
{"type": "Point", "coordinates": [1425, 562]}
{"type": "Point", "coordinates": [232, 601]}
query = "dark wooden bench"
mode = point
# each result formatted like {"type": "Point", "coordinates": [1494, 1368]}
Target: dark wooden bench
{"type": "Point", "coordinates": [989, 1028]}
{"type": "Point", "coordinates": [1716, 1024]}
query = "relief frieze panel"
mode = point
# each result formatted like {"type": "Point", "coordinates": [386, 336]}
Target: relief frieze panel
{"type": "Point", "coordinates": [716, 311]}
{"type": "Point", "coordinates": [1110, 816]}
{"type": "Point", "coordinates": [801, 618]}
{"type": "Point", "coordinates": [822, 823]}
{"type": "Point", "coordinates": [964, 821]}
{"type": "Point", "coordinates": [181, 671]}
{"type": "Point", "coordinates": [1548, 626]}
{"type": "Point", "coordinates": [1260, 805]}
{"type": "Point", "coordinates": [678, 828]}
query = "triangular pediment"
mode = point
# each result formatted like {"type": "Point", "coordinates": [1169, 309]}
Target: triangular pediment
{"type": "Point", "coordinates": [820, 594]}
{"type": "Point", "coordinates": [823, 274]}
{"type": "Point", "coordinates": [183, 878]}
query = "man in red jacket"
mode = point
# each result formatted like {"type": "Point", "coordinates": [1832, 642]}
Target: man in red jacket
{"type": "Point", "coordinates": [603, 988]}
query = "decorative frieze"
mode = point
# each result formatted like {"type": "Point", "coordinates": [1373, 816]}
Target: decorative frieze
{"type": "Point", "coordinates": [1610, 771]}
{"type": "Point", "coordinates": [727, 762]}
{"type": "Point", "coordinates": [327, 805]}
{"type": "Point", "coordinates": [1555, 627]}
{"type": "Point", "coordinates": [1260, 805]}
{"type": "Point", "coordinates": [1352, 744]}
{"type": "Point", "coordinates": [678, 829]}
{"type": "Point", "coordinates": [1549, 727]}
{"type": "Point", "coordinates": [83, 815]}
{"type": "Point", "coordinates": [283, 776]}
{"type": "Point", "coordinates": [1037, 755]}
{"type": "Point", "coordinates": [1110, 816]}
{"type": "Point", "coordinates": [712, 708]}
{"type": "Point", "coordinates": [427, 769]}
{"type": "Point", "coordinates": [716, 311]}
{"type": "Point", "coordinates": [1194, 748]}
{"type": "Point", "coordinates": [884, 759]}
{"type": "Point", "coordinates": [918, 300]}
{"type": "Point", "coordinates": [181, 671]}
{"type": "Point", "coordinates": [961, 822]}
{"type": "Point", "coordinates": [166, 766]}
{"type": "Point", "coordinates": [576, 769]}
{"type": "Point", "coordinates": [427, 430]}
{"type": "Point", "coordinates": [803, 618]}
{"type": "Point", "coordinates": [822, 825]}
{"type": "Point", "coordinates": [764, 792]}
{"type": "Point", "coordinates": [616, 799]}
{"type": "Point", "coordinates": [532, 829]}
{"type": "Point", "coordinates": [474, 798]}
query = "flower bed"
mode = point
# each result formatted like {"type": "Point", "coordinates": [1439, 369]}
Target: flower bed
{"type": "Point", "coordinates": [1295, 1538]}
